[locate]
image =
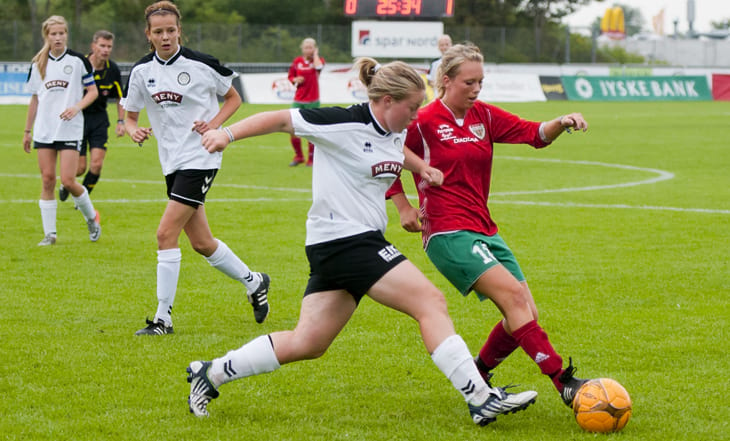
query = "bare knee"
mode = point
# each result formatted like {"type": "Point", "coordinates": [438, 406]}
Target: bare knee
{"type": "Point", "coordinates": [206, 247]}
{"type": "Point", "coordinates": [49, 181]}
{"type": "Point", "coordinates": [166, 238]}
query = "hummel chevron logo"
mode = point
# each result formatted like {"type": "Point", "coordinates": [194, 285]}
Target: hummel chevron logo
{"type": "Point", "coordinates": [228, 368]}
{"type": "Point", "coordinates": [469, 388]}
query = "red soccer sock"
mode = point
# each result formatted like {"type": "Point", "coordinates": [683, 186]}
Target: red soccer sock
{"type": "Point", "coordinates": [498, 346]}
{"type": "Point", "coordinates": [534, 341]}
{"type": "Point", "coordinates": [296, 144]}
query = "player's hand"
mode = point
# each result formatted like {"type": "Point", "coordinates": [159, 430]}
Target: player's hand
{"type": "Point", "coordinates": [410, 219]}
{"type": "Point", "coordinates": [141, 134]}
{"type": "Point", "coordinates": [432, 176]}
{"type": "Point", "coordinates": [215, 140]}
{"type": "Point", "coordinates": [68, 114]}
{"type": "Point", "coordinates": [200, 126]}
{"type": "Point", "coordinates": [27, 138]}
{"type": "Point", "coordinates": [573, 121]}
{"type": "Point", "coordinates": [120, 130]}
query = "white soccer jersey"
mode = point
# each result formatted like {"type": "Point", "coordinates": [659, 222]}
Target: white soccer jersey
{"type": "Point", "coordinates": [63, 86]}
{"type": "Point", "coordinates": [176, 93]}
{"type": "Point", "coordinates": [356, 162]}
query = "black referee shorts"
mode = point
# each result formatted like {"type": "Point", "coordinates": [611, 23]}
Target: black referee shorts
{"type": "Point", "coordinates": [189, 187]}
{"type": "Point", "coordinates": [96, 132]}
{"type": "Point", "coordinates": [352, 263]}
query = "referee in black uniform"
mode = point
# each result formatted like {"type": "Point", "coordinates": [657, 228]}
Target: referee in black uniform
{"type": "Point", "coordinates": [96, 120]}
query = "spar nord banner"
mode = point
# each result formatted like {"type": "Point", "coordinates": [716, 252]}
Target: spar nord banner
{"type": "Point", "coordinates": [677, 88]}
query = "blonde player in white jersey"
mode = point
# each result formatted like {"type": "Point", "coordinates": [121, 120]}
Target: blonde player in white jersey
{"type": "Point", "coordinates": [179, 88]}
{"type": "Point", "coordinates": [57, 79]}
{"type": "Point", "coordinates": [360, 153]}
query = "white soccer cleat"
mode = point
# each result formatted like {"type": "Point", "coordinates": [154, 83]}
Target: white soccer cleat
{"type": "Point", "coordinates": [201, 389]}
{"type": "Point", "coordinates": [500, 403]}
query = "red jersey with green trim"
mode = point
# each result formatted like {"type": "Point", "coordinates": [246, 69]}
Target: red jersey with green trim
{"type": "Point", "coordinates": [307, 91]}
{"type": "Point", "coordinates": [463, 151]}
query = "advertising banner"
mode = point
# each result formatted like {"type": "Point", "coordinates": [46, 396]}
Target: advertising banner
{"type": "Point", "coordinates": [396, 39]}
{"type": "Point", "coordinates": [678, 88]}
{"type": "Point", "coordinates": [721, 87]}
{"type": "Point", "coordinates": [335, 87]}
{"type": "Point", "coordinates": [501, 87]}
{"type": "Point", "coordinates": [13, 83]}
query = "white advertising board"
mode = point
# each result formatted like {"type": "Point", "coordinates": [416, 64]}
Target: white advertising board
{"type": "Point", "coordinates": [396, 39]}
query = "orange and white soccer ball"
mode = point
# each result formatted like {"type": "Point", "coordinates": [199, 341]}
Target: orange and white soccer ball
{"type": "Point", "coordinates": [602, 405]}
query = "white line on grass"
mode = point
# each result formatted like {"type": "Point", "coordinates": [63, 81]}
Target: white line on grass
{"type": "Point", "coordinates": [661, 176]}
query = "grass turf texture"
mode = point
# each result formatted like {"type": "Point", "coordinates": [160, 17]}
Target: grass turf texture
{"type": "Point", "coordinates": [631, 281]}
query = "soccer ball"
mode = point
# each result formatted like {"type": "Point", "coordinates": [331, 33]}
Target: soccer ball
{"type": "Point", "coordinates": [602, 405]}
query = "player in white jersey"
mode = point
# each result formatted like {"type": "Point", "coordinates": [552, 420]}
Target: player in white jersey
{"type": "Point", "coordinates": [360, 152]}
{"type": "Point", "coordinates": [179, 87]}
{"type": "Point", "coordinates": [57, 79]}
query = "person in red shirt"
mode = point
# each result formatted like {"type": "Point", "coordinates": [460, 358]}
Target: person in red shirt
{"type": "Point", "coordinates": [455, 134]}
{"type": "Point", "coordinates": [304, 75]}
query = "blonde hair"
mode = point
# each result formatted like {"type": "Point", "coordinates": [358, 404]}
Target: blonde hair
{"type": "Point", "coordinates": [163, 7]}
{"type": "Point", "coordinates": [453, 59]}
{"type": "Point", "coordinates": [41, 58]}
{"type": "Point", "coordinates": [308, 40]}
{"type": "Point", "coordinates": [396, 79]}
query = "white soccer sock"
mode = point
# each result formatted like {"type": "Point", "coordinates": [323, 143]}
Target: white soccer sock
{"type": "Point", "coordinates": [253, 358]}
{"type": "Point", "coordinates": [84, 204]}
{"type": "Point", "coordinates": [48, 215]}
{"type": "Point", "coordinates": [453, 358]}
{"type": "Point", "coordinates": [168, 271]}
{"type": "Point", "coordinates": [226, 261]}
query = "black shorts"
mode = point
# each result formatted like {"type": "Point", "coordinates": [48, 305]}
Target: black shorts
{"type": "Point", "coordinates": [189, 187]}
{"type": "Point", "coordinates": [96, 132]}
{"type": "Point", "coordinates": [352, 263]}
{"type": "Point", "coordinates": [58, 145]}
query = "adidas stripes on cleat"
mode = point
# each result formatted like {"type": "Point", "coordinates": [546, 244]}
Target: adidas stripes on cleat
{"type": "Point", "coordinates": [155, 328]}
{"type": "Point", "coordinates": [500, 403]}
{"type": "Point", "coordinates": [201, 389]}
{"type": "Point", "coordinates": [570, 383]}
{"type": "Point", "coordinates": [259, 299]}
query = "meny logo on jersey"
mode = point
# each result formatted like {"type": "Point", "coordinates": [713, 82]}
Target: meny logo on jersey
{"type": "Point", "coordinates": [60, 84]}
{"type": "Point", "coordinates": [387, 169]}
{"type": "Point", "coordinates": [167, 97]}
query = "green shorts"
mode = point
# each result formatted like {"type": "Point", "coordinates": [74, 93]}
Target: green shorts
{"type": "Point", "coordinates": [312, 105]}
{"type": "Point", "coordinates": [463, 256]}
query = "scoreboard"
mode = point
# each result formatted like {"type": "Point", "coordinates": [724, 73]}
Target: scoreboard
{"type": "Point", "coordinates": [426, 9]}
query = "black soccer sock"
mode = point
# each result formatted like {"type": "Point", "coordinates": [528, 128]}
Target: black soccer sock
{"type": "Point", "coordinates": [90, 181]}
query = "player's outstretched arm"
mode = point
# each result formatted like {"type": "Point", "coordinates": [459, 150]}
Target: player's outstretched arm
{"type": "Point", "coordinates": [255, 125]}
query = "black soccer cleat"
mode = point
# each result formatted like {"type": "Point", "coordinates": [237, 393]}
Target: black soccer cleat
{"type": "Point", "coordinates": [483, 371]}
{"type": "Point", "coordinates": [155, 328]}
{"type": "Point", "coordinates": [62, 193]}
{"type": "Point", "coordinates": [570, 383]}
{"type": "Point", "coordinates": [259, 299]}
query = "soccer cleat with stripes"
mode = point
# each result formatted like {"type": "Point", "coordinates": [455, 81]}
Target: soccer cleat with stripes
{"type": "Point", "coordinates": [49, 239]}
{"type": "Point", "coordinates": [500, 402]}
{"type": "Point", "coordinates": [570, 383]}
{"type": "Point", "coordinates": [155, 328]}
{"type": "Point", "coordinates": [201, 389]}
{"type": "Point", "coordinates": [259, 299]}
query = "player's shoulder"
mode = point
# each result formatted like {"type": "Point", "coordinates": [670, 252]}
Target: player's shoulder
{"type": "Point", "coordinates": [79, 57]}
{"type": "Point", "coordinates": [144, 60]}
{"type": "Point", "coordinates": [357, 113]}
{"type": "Point", "coordinates": [206, 59]}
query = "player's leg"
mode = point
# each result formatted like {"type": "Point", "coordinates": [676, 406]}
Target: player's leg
{"type": "Point", "coordinates": [296, 144]}
{"type": "Point", "coordinates": [322, 317]}
{"type": "Point", "coordinates": [97, 162]}
{"type": "Point", "coordinates": [406, 289]}
{"type": "Point", "coordinates": [222, 258]}
{"type": "Point", "coordinates": [310, 159]}
{"type": "Point", "coordinates": [80, 169]}
{"type": "Point", "coordinates": [68, 161]}
{"type": "Point", "coordinates": [47, 165]}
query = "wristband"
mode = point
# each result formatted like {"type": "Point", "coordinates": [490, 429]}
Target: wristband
{"type": "Point", "coordinates": [120, 121]}
{"type": "Point", "coordinates": [229, 133]}
{"type": "Point", "coordinates": [26, 131]}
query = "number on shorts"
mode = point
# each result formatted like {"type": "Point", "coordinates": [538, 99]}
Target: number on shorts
{"type": "Point", "coordinates": [480, 249]}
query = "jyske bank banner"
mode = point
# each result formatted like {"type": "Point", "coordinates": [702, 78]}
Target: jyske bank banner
{"type": "Point", "coordinates": [679, 88]}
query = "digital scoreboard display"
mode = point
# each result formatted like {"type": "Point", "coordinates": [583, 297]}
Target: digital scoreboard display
{"type": "Point", "coordinates": [399, 8]}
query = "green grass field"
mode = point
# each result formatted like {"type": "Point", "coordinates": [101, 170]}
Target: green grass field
{"type": "Point", "coordinates": [623, 233]}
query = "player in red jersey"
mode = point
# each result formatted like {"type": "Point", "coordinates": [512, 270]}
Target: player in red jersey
{"type": "Point", "coordinates": [304, 75]}
{"type": "Point", "coordinates": [455, 134]}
